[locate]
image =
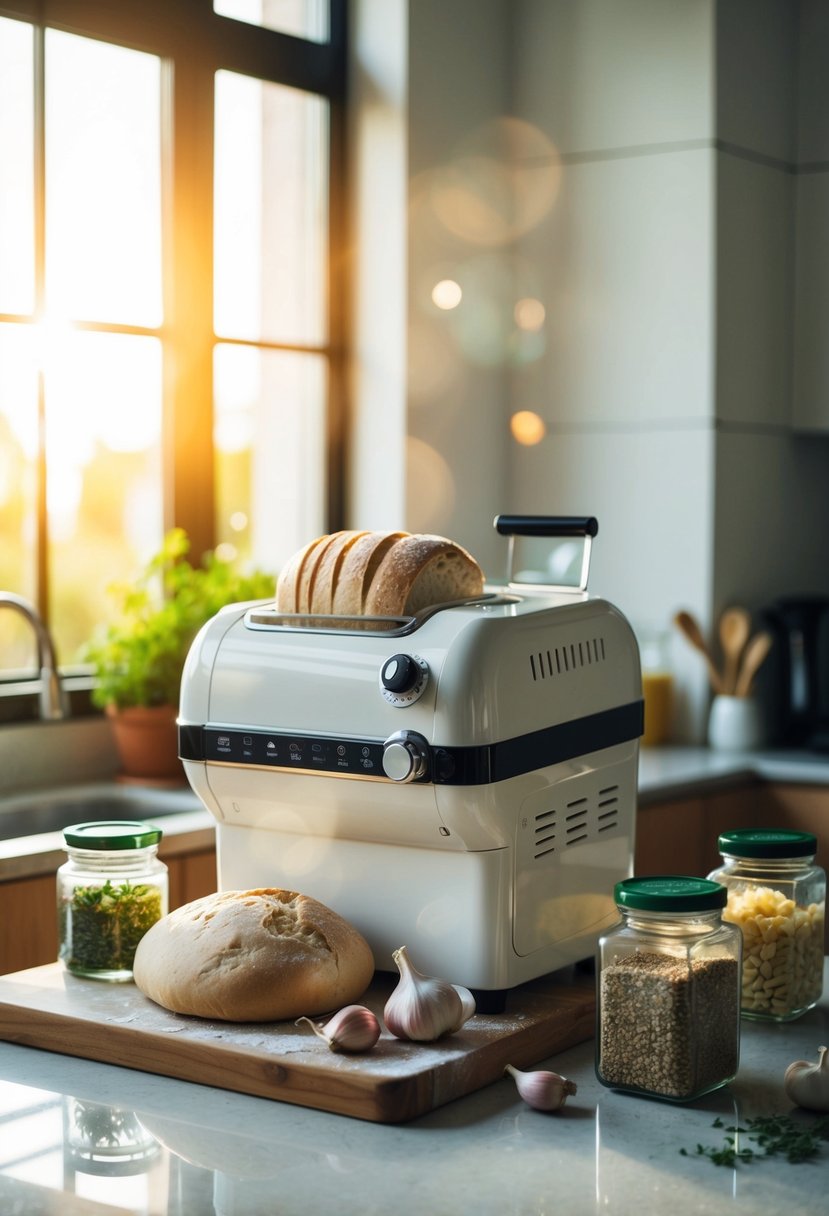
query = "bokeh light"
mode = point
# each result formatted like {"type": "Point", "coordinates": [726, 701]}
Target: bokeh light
{"type": "Point", "coordinates": [529, 314]}
{"type": "Point", "coordinates": [527, 428]}
{"type": "Point", "coordinates": [430, 487]}
{"type": "Point", "coordinates": [501, 183]}
{"type": "Point", "coordinates": [447, 294]}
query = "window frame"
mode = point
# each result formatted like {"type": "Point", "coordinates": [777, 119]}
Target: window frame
{"type": "Point", "coordinates": [194, 43]}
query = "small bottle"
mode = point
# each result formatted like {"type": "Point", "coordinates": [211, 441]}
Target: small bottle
{"type": "Point", "coordinates": [669, 990]}
{"type": "Point", "coordinates": [110, 891]}
{"type": "Point", "coordinates": [657, 689]}
{"type": "Point", "coordinates": [777, 896]}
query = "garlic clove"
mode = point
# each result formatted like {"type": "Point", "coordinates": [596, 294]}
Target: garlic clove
{"type": "Point", "coordinates": [808, 1084]}
{"type": "Point", "coordinates": [467, 1005]}
{"type": "Point", "coordinates": [540, 1089]}
{"type": "Point", "coordinates": [423, 1008]}
{"type": "Point", "coordinates": [354, 1028]}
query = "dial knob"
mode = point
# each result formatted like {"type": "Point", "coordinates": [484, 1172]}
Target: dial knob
{"type": "Point", "coordinates": [405, 756]}
{"type": "Point", "coordinates": [400, 673]}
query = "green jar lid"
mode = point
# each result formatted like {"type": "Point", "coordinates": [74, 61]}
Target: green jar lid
{"type": "Point", "coordinates": [111, 834]}
{"type": "Point", "coordinates": [767, 842]}
{"type": "Point", "coordinates": [670, 893]}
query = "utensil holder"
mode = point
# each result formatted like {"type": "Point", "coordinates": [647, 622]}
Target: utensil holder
{"type": "Point", "coordinates": [735, 724]}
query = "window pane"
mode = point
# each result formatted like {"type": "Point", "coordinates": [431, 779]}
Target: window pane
{"type": "Point", "coordinates": [270, 212]}
{"type": "Point", "coordinates": [104, 488]}
{"type": "Point", "coordinates": [270, 450]}
{"type": "Point", "coordinates": [18, 467]}
{"type": "Point", "coordinates": [303, 18]}
{"type": "Point", "coordinates": [103, 181]}
{"type": "Point", "coordinates": [17, 233]}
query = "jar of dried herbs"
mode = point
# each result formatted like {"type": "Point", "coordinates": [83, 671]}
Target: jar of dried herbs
{"type": "Point", "coordinates": [111, 889]}
{"type": "Point", "coordinates": [668, 1001]}
{"type": "Point", "coordinates": [777, 896]}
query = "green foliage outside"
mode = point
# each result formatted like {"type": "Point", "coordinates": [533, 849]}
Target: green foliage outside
{"type": "Point", "coordinates": [139, 657]}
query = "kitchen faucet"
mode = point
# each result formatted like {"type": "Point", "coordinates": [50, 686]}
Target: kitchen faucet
{"type": "Point", "coordinates": [53, 700]}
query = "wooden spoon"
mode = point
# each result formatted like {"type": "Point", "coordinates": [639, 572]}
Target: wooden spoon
{"type": "Point", "coordinates": [689, 626]}
{"type": "Point", "coordinates": [735, 627]}
{"type": "Point", "coordinates": [755, 653]}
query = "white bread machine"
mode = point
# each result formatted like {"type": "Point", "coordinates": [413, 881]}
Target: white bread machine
{"type": "Point", "coordinates": [462, 782]}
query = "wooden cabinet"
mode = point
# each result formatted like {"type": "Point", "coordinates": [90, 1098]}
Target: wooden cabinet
{"type": "Point", "coordinates": [680, 836]}
{"type": "Point", "coordinates": [28, 923]}
{"type": "Point", "coordinates": [191, 876]}
{"type": "Point", "coordinates": [28, 911]}
{"type": "Point", "coordinates": [669, 837]}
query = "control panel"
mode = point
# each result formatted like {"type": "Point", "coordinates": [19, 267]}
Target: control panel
{"type": "Point", "coordinates": [306, 753]}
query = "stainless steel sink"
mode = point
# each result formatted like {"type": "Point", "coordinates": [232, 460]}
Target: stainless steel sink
{"type": "Point", "coordinates": [51, 810]}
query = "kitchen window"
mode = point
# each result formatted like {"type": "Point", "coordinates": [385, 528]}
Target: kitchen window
{"type": "Point", "coordinates": [170, 318]}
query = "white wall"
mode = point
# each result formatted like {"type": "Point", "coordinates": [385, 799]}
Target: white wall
{"type": "Point", "coordinates": [638, 167]}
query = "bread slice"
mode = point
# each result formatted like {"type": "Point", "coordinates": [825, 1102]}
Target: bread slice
{"type": "Point", "coordinates": [328, 571]}
{"type": "Point", "coordinates": [287, 585]}
{"type": "Point", "coordinates": [310, 570]}
{"type": "Point", "coordinates": [358, 569]}
{"type": "Point", "coordinates": [253, 956]}
{"type": "Point", "coordinates": [419, 571]}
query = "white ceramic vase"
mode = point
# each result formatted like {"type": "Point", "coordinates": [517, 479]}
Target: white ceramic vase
{"type": "Point", "coordinates": [734, 724]}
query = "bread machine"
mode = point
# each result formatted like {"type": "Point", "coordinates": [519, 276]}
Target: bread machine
{"type": "Point", "coordinates": [462, 782]}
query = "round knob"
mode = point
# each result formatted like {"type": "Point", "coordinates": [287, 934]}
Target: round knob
{"type": "Point", "coordinates": [400, 673]}
{"type": "Point", "coordinates": [405, 756]}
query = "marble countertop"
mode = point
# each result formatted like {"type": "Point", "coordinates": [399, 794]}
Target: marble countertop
{"type": "Point", "coordinates": [200, 1151]}
{"type": "Point", "coordinates": [666, 772]}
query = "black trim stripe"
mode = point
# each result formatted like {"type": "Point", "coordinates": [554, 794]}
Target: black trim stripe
{"type": "Point", "coordinates": [482, 765]}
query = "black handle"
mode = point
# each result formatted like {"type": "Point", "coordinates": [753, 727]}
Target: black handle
{"type": "Point", "coordinates": [546, 525]}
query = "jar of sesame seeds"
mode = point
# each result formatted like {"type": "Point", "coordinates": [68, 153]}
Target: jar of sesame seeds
{"type": "Point", "coordinates": [668, 999]}
{"type": "Point", "coordinates": [777, 896]}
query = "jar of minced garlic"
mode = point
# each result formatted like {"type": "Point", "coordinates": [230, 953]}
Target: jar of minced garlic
{"type": "Point", "coordinates": [777, 895]}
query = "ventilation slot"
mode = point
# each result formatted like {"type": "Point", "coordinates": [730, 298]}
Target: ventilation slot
{"type": "Point", "coordinates": [576, 821]}
{"type": "Point", "coordinates": [545, 834]}
{"type": "Point", "coordinates": [581, 819]}
{"type": "Point", "coordinates": [607, 811]}
{"type": "Point", "coordinates": [562, 660]}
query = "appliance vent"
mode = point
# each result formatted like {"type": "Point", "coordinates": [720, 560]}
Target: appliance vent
{"type": "Point", "coordinates": [582, 819]}
{"type": "Point", "coordinates": [561, 660]}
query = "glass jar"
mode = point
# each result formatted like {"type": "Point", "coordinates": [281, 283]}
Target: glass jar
{"type": "Point", "coordinates": [657, 688]}
{"type": "Point", "coordinates": [777, 896]}
{"type": "Point", "coordinates": [111, 890]}
{"type": "Point", "coordinates": [668, 1002]}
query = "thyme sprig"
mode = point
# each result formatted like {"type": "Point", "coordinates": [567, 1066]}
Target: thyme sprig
{"type": "Point", "coordinates": [774, 1135]}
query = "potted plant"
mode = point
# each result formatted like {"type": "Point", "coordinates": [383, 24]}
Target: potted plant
{"type": "Point", "coordinates": [139, 656]}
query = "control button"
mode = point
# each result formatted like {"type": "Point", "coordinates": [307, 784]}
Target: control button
{"type": "Point", "coordinates": [400, 673]}
{"type": "Point", "coordinates": [405, 756]}
{"type": "Point", "coordinates": [403, 679]}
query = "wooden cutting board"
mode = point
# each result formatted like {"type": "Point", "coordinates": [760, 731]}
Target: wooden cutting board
{"type": "Point", "coordinates": [47, 1007]}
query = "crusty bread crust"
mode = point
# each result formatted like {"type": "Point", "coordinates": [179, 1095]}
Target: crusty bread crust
{"type": "Point", "coordinates": [420, 571]}
{"type": "Point", "coordinates": [327, 573]}
{"type": "Point", "coordinates": [358, 569]}
{"type": "Point", "coordinates": [263, 955]}
{"type": "Point", "coordinates": [287, 585]}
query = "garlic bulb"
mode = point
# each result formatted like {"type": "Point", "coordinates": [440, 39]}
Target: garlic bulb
{"type": "Point", "coordinates": [423, 1008]}
{"type": "Point", "coordinates": [808, 1084]}
{"type": "Point", "coordinates": [542, 1090]}
{"type": "Point", "coordinates": [354, 1028]}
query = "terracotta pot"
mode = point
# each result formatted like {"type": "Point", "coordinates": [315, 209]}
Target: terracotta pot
{"type": "Point", "coordinates": [147, 741]}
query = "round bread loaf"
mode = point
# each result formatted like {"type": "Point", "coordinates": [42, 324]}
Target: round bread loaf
{"type": "Point", "coordinates": [253, 956]}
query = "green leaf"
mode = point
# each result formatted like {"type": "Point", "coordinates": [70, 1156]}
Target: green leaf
{"type": "Point", "coordinates": [139, 656]}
